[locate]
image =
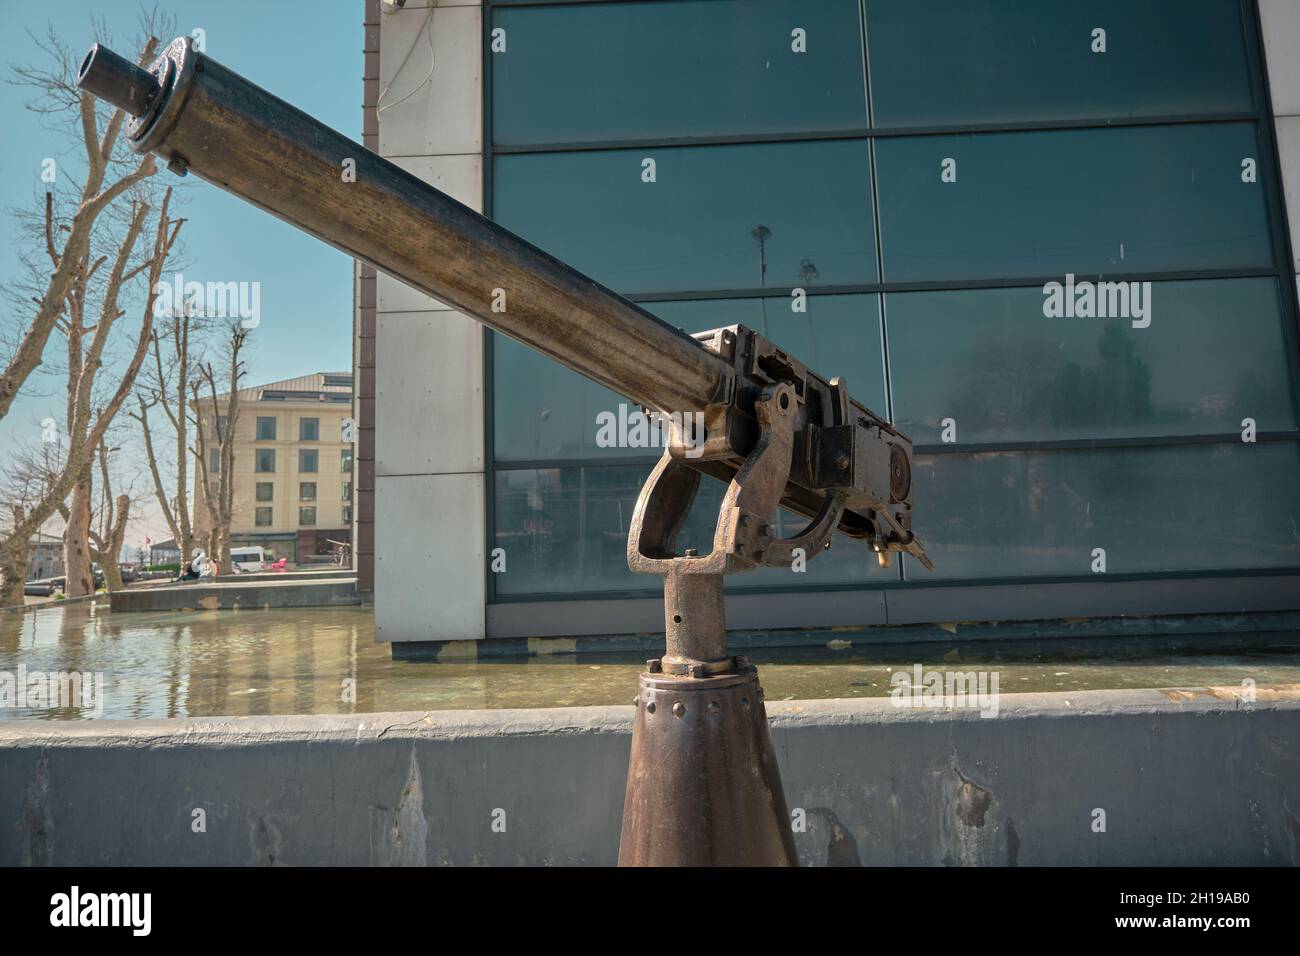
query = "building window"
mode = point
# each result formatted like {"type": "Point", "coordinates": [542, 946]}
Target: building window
{"type": "Point", "coordinates": [308, 459]}
{"type": "Point", "coordinates": [1089, 378]}
{"type": "Point", "coordinates": [306, 491]}
{"type": "Point", "coordinates": [309, 429]}
{"type": "Point", "coordinates": [347, 461]}
{"type": "Point", "coordinates": [214, 461]}
{"type": "Point", "coordinates": [263, 518]}
{"type": "Point", "coordinates": [635, 239]}
{"type": "Point", "coordinates": [265, 460]}
{"type": "Point", "coordinates": [266, 428]}
{"type": "Point", "coordinates": [221, 426]}
{"type": "Point", "coordinates": [1176, 61]}
{"type": "Point", "coordinates": [265, 491]}
{"type": "Point", "coordinates": [1192, 221]}
{"type": "Point", "coordinates": [347, 514]}
{"type": "Point", "coordinates": [306, 516]}
{"type": "Point", "coordinates": [737, 50]}
{"type": "Point", "coordinates": [347, 491]}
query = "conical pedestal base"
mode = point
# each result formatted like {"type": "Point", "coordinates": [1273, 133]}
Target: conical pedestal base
{"type": "Point", "coordinates": [703, 788]}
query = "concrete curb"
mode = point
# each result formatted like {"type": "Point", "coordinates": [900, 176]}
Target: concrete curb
{"type": "Point", "coordinates": [462, 724]}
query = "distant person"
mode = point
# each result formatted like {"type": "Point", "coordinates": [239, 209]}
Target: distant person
{"type": "Point", "coordinates": [196, 569]}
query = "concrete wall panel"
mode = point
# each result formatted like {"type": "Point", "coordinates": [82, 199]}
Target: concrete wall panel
{"type": "Point", "coordinates": [429, 360]}
{"type": "Point", "coordinates": [1288, 149]}
{"type": "Point", "coordinates": [430, 394]}
{"type": "Point", "coordinates": [442, 112]}
{"type": "Point", "coordinates": [1191, 778]}
{"type": "Point", "coordinates": [1279, 22]}
{"type": "Point", "coordinates": [429, 531]}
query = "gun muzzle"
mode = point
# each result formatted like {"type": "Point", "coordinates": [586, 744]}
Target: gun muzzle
{"type": "Point", "coordinates": [117, 80]}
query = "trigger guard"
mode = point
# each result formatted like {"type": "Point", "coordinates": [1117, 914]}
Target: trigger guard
{"type": "Point", "coordinates": [812, 539]}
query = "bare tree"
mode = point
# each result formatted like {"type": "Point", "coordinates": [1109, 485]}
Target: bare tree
{"type": "Point", "coordinates": [73, 283]}
{"type": "Point", "coordinates": [29, 472]}
{"type": "Point", "coordinates": [107, 526]}
{"type": "Point", "coordinates": [219, 494]}
{"type": "Point", "coordinates": [105, 182]}
{"type": "Point", "coordinates": [84, 362]}
{"type": "Point", "coordinates": [106, 543]}
{"type": "Point", "coordinates": [170, 390]}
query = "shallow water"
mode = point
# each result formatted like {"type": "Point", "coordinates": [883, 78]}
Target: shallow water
{"type": "Point", "coordinates": [325, 661]}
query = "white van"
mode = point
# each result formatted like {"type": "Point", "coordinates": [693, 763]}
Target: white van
{"type": "Point", "coordinates": [245, 560]}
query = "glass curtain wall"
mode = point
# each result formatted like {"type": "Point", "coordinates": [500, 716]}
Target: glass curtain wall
{"type": "Point", "coordinates": [1044, 238]}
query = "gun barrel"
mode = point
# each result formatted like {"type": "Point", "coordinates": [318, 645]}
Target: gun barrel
{"type": "Point", "coordinates": [204, 118]}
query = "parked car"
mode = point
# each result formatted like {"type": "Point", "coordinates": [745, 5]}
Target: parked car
{"type": "Point", "coordinates": [246, 560]}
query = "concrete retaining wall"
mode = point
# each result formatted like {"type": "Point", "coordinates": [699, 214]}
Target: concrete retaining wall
{"type": "Point", "coordinates": [1182, 777]}
{"type": "Point", "coordinates": [234, 593]}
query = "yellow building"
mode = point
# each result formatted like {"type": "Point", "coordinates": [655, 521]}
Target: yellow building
{"type": "Point", "coordinates": [292, 468]}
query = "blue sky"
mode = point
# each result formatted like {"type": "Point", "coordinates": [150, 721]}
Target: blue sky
{"type": "Point", "coordinates": [313, 61]}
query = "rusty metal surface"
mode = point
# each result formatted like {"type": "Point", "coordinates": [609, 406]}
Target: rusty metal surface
{"type": "Point", "coordinates": [703, 787]}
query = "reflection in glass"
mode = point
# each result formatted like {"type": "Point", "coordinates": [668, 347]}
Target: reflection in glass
{"type": "Point", "coordinates": [1047, 203]}
{"type": "Point", "coordinates": [1214, 353]}
{"type": "Point", "coordinates": [618, 71]}
{"type": "Point", "coordinates": [1021, 62]}
{"type": "Point", "coordinates": [693, 227]}
{"type": "Point", "coordinates": [1153, 509]}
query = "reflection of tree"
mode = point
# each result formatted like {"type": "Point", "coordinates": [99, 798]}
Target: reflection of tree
{"type": "Point", "coordinates": [1254, 393]}
{"type": "Point", "coordinates": [997, 385]}
{"type": "Point", "coordinates": [11, 629]}
{"type": "Point", "coordinates": [1013, 387]}
{"type": "Point", "coordinates": [1114, 391]}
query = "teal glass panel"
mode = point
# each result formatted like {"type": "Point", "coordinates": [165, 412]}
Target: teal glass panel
{"type": "Point", "coordinates": [715, 217]}
{"type": "Point", "coordinates": [1038, 204]}
{"type": "Point", "coordinates": [1152, 509]}
{"type": "Point", "coordinates": [619, 71]}
{"type": "Point", "coordinates": [1214, 353]}
{"type": "Point", "coordinates": [1017, 61]}
{"type": "Point", "coordinates": [542, 411]}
